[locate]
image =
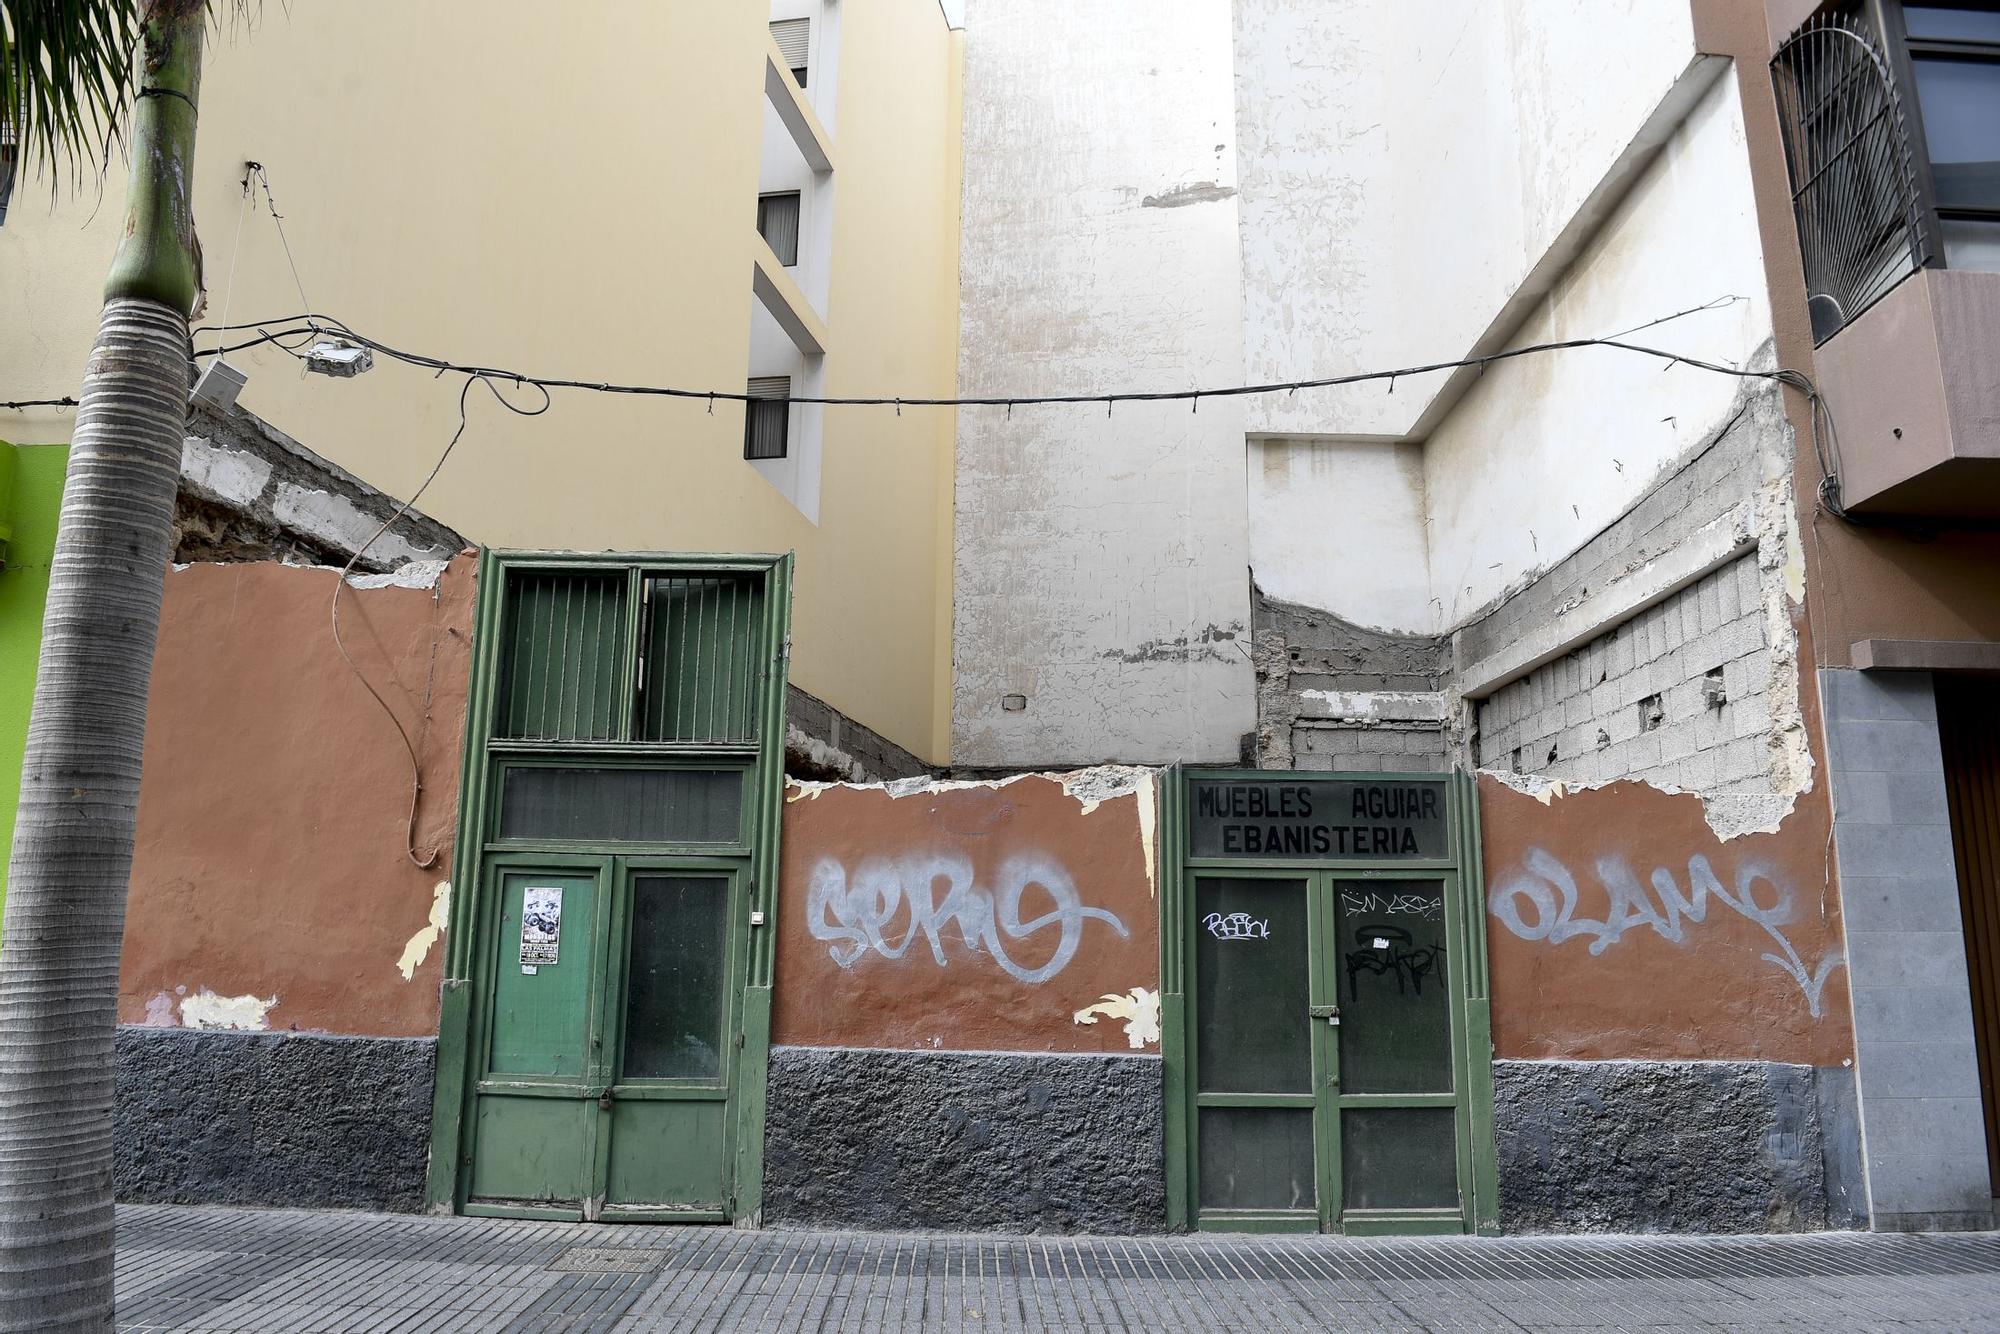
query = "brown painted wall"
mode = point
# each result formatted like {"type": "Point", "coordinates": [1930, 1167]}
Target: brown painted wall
{"type": "Point", "coordinates": [1875, 582]}
{"type": "Point", "coordinates": [969, 917]}
{"type": "Point", "coordinates": [1597, 951]}
{"type": "Point", "coordinates": [271, 847]}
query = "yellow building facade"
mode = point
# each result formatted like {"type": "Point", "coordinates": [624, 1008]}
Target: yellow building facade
{"type": "Point", "coordinates": [578, 196]}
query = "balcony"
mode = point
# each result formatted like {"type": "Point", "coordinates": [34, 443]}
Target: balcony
{"type": "Point", "coordinates": [1913, 384]}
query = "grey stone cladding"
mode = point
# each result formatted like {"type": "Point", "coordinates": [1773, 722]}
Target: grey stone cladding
{"type": "Point", "coordinates": [1671, 1146]}
{"type": "Point", "coordinates": [294, 1119]}
{"type": "Point", "coordinates": [1679, 695]}
{"type": "Point", "coordinates": [964, 1141]}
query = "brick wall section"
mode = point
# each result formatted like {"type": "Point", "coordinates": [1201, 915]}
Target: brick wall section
{"type": "Point", "coordinates": [1634, 703]}
{"type": "Point", "coordinates": [1296, 649]}
{"type": "Point", "coordinates": [1378, 749]}
{"type": "Point", "coordinates": [825, 745]}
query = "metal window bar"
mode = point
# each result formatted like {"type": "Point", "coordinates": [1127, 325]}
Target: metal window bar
{"type": "Point", "coordinates": [778, 224]}
{"type": "Point", "coordinates": [767, 418]}
{"type": "Point", "coordinates": [701, 651]}
{"type": "Point", "coordinates": [561, 656]}
{"type": "Point", "coordinates": [1854, 191]}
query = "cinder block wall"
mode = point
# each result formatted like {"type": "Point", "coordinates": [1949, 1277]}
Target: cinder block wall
{"type": "Point", "coordinates": [1680, 695]}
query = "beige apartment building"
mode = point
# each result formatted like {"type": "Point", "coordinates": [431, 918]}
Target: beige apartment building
{"type": "Point", "coordinates": [455, 181]}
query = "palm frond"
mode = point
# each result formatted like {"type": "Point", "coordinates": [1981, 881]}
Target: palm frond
{"type": "Point", "coordinates": [65, 78]}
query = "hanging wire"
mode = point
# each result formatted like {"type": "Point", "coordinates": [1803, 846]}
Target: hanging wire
{"type": "Point", "coordinates": [416, 766]}
{"type": "Point", "coordinates": [284, 331]}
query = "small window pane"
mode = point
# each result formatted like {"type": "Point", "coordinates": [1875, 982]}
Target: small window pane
{"type": "Point", "coordinates": [636, 805]}
{"type": "Point", "coordinates": [778, 224]}
{"type": "Point", "coordinates": [1971, 243]}
{"type": "Point", "coordinates": [1947, 23]}
{"type": "Point", "coordinates": [1257, 1158]}
{"type": "Point", "coordinates": [674, 983]}
{"type": "Point", "coordinates": [1399, 1158]}
{"type": "Point", "coordinates": [1961, 106]}
{"type": "Point", "coordinates": [1253, 1030]}
{"type": "Point", "coordinates": [767, 426]}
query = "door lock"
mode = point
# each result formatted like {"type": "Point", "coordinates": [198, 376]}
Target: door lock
{"type": "Point", "coordinates": [604, 1101]}
{"type": "Point", "coordinates": [1330, 1013]}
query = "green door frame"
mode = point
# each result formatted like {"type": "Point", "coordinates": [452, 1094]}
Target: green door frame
{"type": "Point", "coordinates": [752, 859]}
{"type": "Point", "coordinates": [1462, 872]}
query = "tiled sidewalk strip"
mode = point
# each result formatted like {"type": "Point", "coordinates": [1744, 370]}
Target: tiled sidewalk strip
{"type": "Point", "coordinates": [275, 1270]}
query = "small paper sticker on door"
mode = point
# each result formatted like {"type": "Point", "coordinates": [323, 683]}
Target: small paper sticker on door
{"type": "Point", "coordinates": [1381, 943]}
{"type": "Point", "coordinates": [541, 924]}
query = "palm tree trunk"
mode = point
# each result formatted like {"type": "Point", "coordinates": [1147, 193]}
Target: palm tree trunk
{"type": "Point", "coordinates": [65, 915]}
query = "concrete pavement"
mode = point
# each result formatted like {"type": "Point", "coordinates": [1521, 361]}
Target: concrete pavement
{"type": "Point", "coordinates": [271, 1270]}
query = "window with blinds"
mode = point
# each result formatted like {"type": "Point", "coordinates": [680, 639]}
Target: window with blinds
{"type": "Point", "coordinates": [791, 36]}
{"type": "Point", "coordinates": [778, 224]}
{"type": "Point", "coordinates": [767, 417]}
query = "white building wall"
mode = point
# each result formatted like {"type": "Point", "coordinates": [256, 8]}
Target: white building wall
{"type": "Point", "coordinates": [1407, 169]}
{"type": "Point", "coordinates": [1544, 452]}
{"type": "Point", "coordinates": [1101, 571]}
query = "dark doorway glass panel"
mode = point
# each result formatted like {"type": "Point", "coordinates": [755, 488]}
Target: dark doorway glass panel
{"type": "Point", "coordinates": [1252, 953]}
{"type": "Point", "coordinates": [678, 963]}
{"type": "Point", "coordinates": [1399, 1158]}
{"type": "Point", "coordinates": [1395, 993]}
{"type": "Point", "coordinates": [1257, 1158]}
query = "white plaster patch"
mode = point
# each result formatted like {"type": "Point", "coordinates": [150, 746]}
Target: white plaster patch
{"type": "Point", "coordinates": [1090, 787]}
{"type": "Point", "coordinates": [1093, 787]}
{"type": "Point", "coordinates": [222, 474]}
{"type": "Point", "coordinates": [419, 946]}
{"type": "Point", "coordinates": [1728, 816]}
{"type": "Point", "coordinates": [1139, 1008]}
{"type": "Point", "coordinates": [160, 1011]}
{"type": "Point", "coordinates": [820, 754]}
{"type": "Point", "coordinates": [410, 574]}
{"type": "Point", "coordinates": [1377, 706]}
{"type": "Point", "coordinates": [205, 1009]}
{"type": "Point", "coordinates": [340, 522]}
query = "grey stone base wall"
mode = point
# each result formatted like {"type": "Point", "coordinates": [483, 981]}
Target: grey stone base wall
{"type": "Point", "coordinates": [1674, 1146]}
{"type": "Point", "coordinates": [293, 1119]}
{"type": "Point", "coordinates": [964, 1141]}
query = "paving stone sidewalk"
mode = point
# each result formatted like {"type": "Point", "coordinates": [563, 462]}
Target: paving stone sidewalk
{"type": "Point", "coordinates": [246, 1269]}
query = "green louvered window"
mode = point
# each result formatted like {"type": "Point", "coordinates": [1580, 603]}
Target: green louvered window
{"type": "Point", "coordinates": [567, 673]}
{"type": "Point", "coordinates": [702, 641]}
{"type": "Point", "coordinates": [561, 662]}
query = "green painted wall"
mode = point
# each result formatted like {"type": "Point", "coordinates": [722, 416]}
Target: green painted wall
{"type": "Point", "coordinates": [30, 510]}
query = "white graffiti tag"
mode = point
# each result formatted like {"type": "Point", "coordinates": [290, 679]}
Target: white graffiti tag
{"type": "Point", "coordinates": [859, 913]}
{"type": "Point", "coordinates": [1427, 906]}
{"type": "Point", "coordinates": [1546, 886]}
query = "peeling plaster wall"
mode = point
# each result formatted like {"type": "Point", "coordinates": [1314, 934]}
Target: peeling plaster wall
{"type": "Point", "coordinates": [1015, 915]}
{"type": "Point", "coordinates": [1620, 927]}
{"type": "Point", "coordinates": [1100, 558]}
{"type": "Point", "coordinates": [271, 889]}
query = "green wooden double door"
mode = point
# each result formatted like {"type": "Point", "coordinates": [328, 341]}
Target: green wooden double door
{"type": "Point", "coordinates": [1324, 1064]}
{"type": "Point", "coordinates": [605, 1057]}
